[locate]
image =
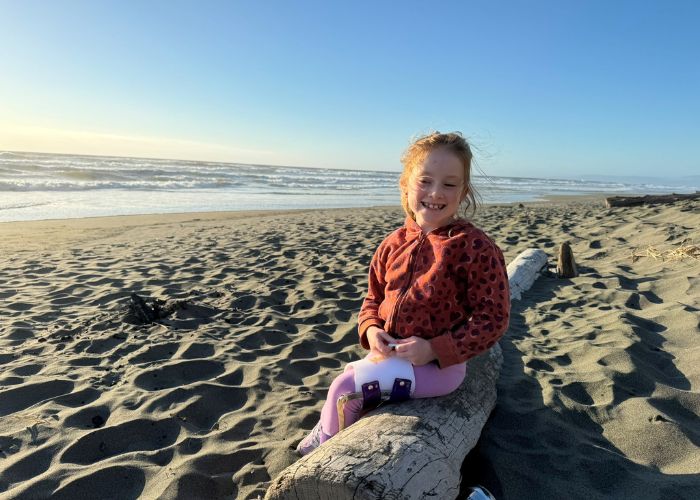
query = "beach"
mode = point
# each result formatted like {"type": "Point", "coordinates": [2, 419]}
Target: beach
{"type": "Point", "coordinates": [599, 394]}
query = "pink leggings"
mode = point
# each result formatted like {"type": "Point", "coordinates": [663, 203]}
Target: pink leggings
{"type": "Point", "coordinates": [431, 381]}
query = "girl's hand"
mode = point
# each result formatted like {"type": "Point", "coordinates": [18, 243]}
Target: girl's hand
{"type": "Point", "coordinates": [415, 349]}
{"type": "Point", "coordinates": [378, 339]}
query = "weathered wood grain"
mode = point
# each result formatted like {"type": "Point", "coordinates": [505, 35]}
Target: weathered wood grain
{"type": "Point", "coordinates": [566, 264]}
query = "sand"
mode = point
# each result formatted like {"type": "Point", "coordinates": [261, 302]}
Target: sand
{"type": "Point", "coordinates": [599, 396]}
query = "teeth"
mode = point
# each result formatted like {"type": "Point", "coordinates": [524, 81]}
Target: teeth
{"type": "Point", "coordinates": [432, 206]}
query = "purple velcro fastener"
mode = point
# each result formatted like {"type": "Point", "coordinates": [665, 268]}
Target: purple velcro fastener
{"type": "Point", "coordinates": [371, 394]}
{"type": "Point", "coordinates": [401, 390]}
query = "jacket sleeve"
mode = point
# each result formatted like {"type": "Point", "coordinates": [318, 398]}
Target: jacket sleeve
{"type": "Point", "coordinates": [369, 312]}
{"type": "Point", "coordinates": [488, 299]}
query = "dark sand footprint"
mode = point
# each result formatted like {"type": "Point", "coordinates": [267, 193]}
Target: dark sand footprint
{"type": "Point", "coordinates": [11, 381]}
{"type": "Point", "coordinates": [201, 405]}
{"type": "Point", "coordinates": [632, 301]}
{"type": "Point", "coordinates": [6, 358]}
{"type": "Point", "coordinates": [85, 361]}
{"type": "Point", "coordinates": [20, 334]}
{"type": "Point", "coordinates": [306, 349]}
{"type": "Point", "coordinates": [285, 325]}
{"type": "Point", "coordinates": [245, 356]}
{"type": "Point", "coordinates": [200, 485]}
{"type": "Point", "coordinates": [651, 297]}
{"type": "Point", "coordinates": [235, 378]}
{"type": "Point", "coordinates": [539, 365]}
{"type": "Point", "coordinates": [282, 282]}
{"type": "Point", "coordinates": [342, 315]}
{"type": "Point", "coordinates": [218, 463]}
{"type": "Point", "coordinates": [351, 304]}
{"type": "Point", "coordinates": [576, 391]}
{"type": "Point", "coordinates": [89, 418]}
{"type": "Point", "coordinates": [335, 347]}
{"type": "Point", "coordinates": [20, 398]}
{"type": "Point", "coordinates": [303, 305]}
{"type": "Point", "coordinates": [263, 337]}
{"type": "Point", "coordinates": [562, 360]}
{"type": "Point", "coordinates": [321, 320]}
{"type": "Point", "coordinates": [124, 351]}
{"type": "Point", "coordinates": [27, 370]}
{"type": "Point", "coordinates": [135, 435]}
{"type": "Point", "coordinates": [78, 398]}
{"type": "Point", "coordinates": [104, 345]}
{"type": "Point", "coordinates": [64, 300]}
{"type": "Point", "coordinates": [6, 294]}
{"type": "Point", "coordinates": [178, 374]}
{"type": "Point", "coordinates": [198, 350]}
{"type": "Point", "coordinates": [297, 370]}
{"type": "Point", "coordinates": [156, 352]}
{"type": "Point", "coordinates": [240, 431]}
{"type": "Point", "coordinates": [125, 482]}
{"type": "Point", "coordinates": [325, 293]}
{"type": "Point", "coordinates": [243, 302]}
{"type": "Point", "coordinates": [29, 466]}
{"type": "Point", "coordinates": [189, 446]}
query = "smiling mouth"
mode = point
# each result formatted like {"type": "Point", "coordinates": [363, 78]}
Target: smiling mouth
{"type": "Point", "coordinates": [432, 206]}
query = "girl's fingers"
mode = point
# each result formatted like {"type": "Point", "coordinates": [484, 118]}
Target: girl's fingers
{"type": "Point", "coordinates": [381, 348]}
{"type": "Point", "coordinates": [403, 349]}
{"type": "Point", "coordinates": [381, 345]}
{"type": "Point", "coordinates": [386, 337]}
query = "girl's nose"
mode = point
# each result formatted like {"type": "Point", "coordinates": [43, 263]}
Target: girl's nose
{"type": "Point", "coordinates": [436, 192]}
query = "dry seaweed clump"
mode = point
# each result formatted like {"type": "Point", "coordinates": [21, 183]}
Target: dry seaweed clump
{"type": "Point", "coordinates": [684, 251]}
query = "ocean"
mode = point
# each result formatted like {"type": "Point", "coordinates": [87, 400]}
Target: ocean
{"type": "Point", "coordinates": [35, 186]}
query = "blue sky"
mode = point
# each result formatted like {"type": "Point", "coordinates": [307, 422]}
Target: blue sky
{"type": "Point", "coordinates": [542, 88]}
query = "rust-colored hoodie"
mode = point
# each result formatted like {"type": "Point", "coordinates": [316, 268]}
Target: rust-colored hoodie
{"type": "Point", "coordinates": [448, 286]}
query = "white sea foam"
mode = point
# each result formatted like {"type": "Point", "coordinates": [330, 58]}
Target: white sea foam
{"type": "Point", "coordinates": [39, 186]}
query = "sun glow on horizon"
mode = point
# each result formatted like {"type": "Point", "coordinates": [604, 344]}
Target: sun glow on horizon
{"type": "Point", "coordinates": [30, 138]}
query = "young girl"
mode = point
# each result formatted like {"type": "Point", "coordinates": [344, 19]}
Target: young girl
{"type": "Point", "coordinates": [438, 293]}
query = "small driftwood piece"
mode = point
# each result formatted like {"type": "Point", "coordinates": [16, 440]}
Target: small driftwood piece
{"type": "Point", "coordinates": [628, 201]}
{"type": "Point", "coordinates": [410, 450]}
{"type": "Point", "coordinates": [566, 264]}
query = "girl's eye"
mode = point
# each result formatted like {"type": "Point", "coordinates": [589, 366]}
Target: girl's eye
{"type": "Point", "coordinates": [450, 185]}
{"type": "Point", "coordinates": [424, 181]}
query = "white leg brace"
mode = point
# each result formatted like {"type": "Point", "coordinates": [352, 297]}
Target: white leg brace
{"type": "Point", "coordinates": [378, 379]}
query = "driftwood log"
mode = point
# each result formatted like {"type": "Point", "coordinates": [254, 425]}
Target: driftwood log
{"type": "Point", "coordinates": [628, 201]}
{"type": "Point", "coordinates": [410, 450]}
{"type": "Point", "coordinates": [524, 270]}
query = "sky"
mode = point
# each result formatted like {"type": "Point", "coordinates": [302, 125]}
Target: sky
{"type": "Point", "coordinates": [557, 88]}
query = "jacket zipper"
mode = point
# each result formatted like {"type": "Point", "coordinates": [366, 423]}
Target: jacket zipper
{"type": "Point", "coordinates": [404, 291]}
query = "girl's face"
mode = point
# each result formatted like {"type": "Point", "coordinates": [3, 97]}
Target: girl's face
{"type": "Point", "coordinates": [436, 188]}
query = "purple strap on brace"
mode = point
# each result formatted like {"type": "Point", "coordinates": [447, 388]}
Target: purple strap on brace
{"type": "Point", "coordinates": [371, 394]}
{"type": "Point", "coordinates": [401, 390]}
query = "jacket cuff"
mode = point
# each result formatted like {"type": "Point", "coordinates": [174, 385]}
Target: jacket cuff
{"type": "Point", "coordinates": [363, 330]}
{"type": "Point", "coordinates": [444, 348]}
